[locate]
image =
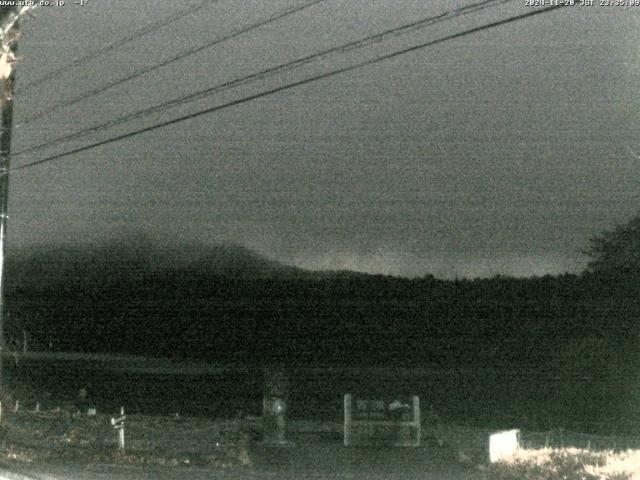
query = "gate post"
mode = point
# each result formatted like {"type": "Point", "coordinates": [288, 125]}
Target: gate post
{"type": "Point", "coordinates": [274, 406]}
{"type": "Point", "coordinates": [348, 405]}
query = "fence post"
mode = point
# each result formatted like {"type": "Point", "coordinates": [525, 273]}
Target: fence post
{"type": "Point", "coordinates": [347, 419]}
{"type": "Point", "coordinates": [417, 419]}
{"type": "Point", "coordinates": [121, 432]}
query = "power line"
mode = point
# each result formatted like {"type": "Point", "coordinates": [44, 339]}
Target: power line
{"type": "Point", "coordinates": [142, 71]}
{"type": "Point", "coordinates": [368, 40]}
{"type": "Point", "coordinates": [118, 43]}
{"type": "Point", "coordinates": [286, 87]}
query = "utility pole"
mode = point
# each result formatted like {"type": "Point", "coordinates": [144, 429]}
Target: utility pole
{"type": "Point", "coordinates": [7, 57]}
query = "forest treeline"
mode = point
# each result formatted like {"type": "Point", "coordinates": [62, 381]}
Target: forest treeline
{"type": "Point", "coordinates": [228, 304]}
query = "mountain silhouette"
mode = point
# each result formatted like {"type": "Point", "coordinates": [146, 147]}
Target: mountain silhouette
{"type": "Point", "coordinates": [113, 262]}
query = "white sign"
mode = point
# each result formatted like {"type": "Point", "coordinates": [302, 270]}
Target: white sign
{"type": "Point", "coordinates": [502, 445]}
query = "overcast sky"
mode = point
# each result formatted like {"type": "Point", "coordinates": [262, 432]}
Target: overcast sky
{"type": "Point", "coordinates": [499, 152]}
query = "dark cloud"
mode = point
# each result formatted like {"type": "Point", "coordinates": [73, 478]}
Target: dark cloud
{"type": "Point", "coordinates": [501, 152]}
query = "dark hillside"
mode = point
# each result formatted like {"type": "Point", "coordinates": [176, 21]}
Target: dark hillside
{"type": "Point", "coordinates": [227, 303]}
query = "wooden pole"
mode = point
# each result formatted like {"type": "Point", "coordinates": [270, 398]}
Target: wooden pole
{"type": "Point", "coordinates": [121, 432]}
{"type": "Point", "coordinates": [5, 160]}
{"type": "Point", "coordinates": [417, 420]}
{"type": "Point", "coordinates": [347, 419]}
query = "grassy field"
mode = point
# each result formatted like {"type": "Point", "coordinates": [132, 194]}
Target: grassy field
{"type": "Point", "coordinates": [218, 406]}
{"type": "Point", "coordinates": [484, 396]}
{"type": "Point", "coordinates": [448, 451]}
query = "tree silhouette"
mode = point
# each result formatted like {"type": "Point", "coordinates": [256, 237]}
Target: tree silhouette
{"type": "Point", "coordinates": [616, 252]}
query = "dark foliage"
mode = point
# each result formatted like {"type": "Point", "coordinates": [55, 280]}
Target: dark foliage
{"type": "Point", "coordinates": [568, 342]}
{"type": "Point", "coordinates": [229, 304]}
{"type": "Point", "coordinates": [616, 253]}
